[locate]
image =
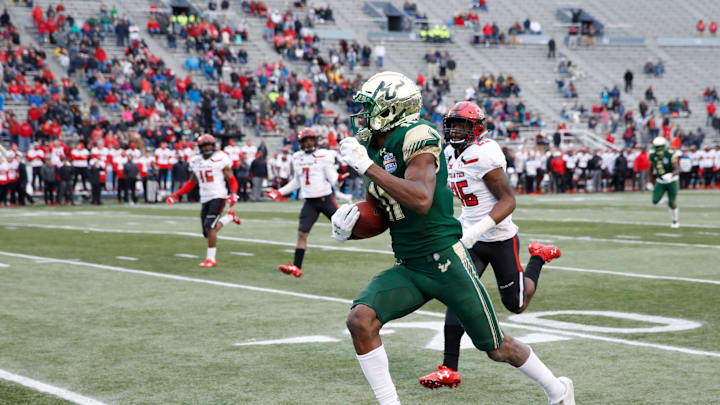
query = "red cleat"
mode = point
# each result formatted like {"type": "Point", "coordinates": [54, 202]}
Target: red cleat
{"type": "Point", "coordinates": [235, 218]}
{"type": "Point", "coordinates": [442, 377]}
{"type": "Point", "coordinates": [208, 263]}
{"type": "Point", "coordinates": [546, 252]}
{"type": "Point", "coordinates": [291, 269]}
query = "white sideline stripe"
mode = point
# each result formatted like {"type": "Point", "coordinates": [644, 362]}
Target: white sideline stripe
{"type": "Point", "coordinates": [242, 254]}
{"type": "Point", "coordinates": [614, 340]}
{"type": "Point", "coordinates": [4, 265]}
{"type": "Point", "coordinates": [358, 250]}
{"type": "Point", "coordinates": [637, 275]}
{"type": "Point", "coordinates": [624, 241]}
{"type": "Point", "coordinates": [186, 255]}
{"type": "Point", "coordinates": [627, 236]}
{"type": "Point", "coordinates": [48, 389]}
{"type": "Point", "coordinates": [669, 235]}
{"type": "Point", "coordinates": [128, 258]}
{"type": "Point", "coordinates": [347, 302]}
{"type": "Point", "coordinates": [611, 221]}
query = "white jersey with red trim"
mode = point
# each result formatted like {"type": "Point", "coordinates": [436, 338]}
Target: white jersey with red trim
{"type": "Point", "coordinates": [233, 151]}
{"type": "Point", "coordinates": [79, 157]}
{"type": "Point", "coordinates": [162, 158]}
{"type": "Point", "coordinates": [57, 154]}
{"type": "Point", "coordinates": [314, 173]}
{"type": "Point", "coordinates": [465, 175]}
{"type": "Point", "coordinates": [100, 154]}
{"type": "Point", "coordinates": [4, 167]}
{"type": "Point", "coordinates": [209, 173]}
{"type": "Point", "coordinates": [36, 157]}
{"type": "Point", "coordinates": [134, 152]}
{"type": "Point", "coordinates": [13, 170]}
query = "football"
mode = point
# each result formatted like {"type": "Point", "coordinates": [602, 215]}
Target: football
{"type": "Point", "coordinates": [372, 222]}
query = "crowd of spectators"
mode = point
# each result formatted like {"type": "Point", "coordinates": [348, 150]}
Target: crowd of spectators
{"type": "Point", "coordinates": [712, 28]}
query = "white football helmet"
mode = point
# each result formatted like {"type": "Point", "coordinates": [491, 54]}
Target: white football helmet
{"type": "Point", "coordinates": [388, 99]}
{"type": "Point", "coordinates": [660, 144]}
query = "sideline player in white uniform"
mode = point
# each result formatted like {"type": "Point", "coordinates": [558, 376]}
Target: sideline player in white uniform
{"type": "Point", "coordinates": [210, 169]}
{"type": "Point", "coordinates": [315, 175]}
{"type": "Point", "coordinates": [476, 173]}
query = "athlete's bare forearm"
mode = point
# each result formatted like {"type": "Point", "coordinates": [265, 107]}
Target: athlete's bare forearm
{"type": "Point", "coordinates": [416, 190]}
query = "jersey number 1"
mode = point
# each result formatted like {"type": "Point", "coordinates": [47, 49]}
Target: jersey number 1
{"type": "Point", "coordinates": [468, 200]}
{"type": "Point", "coordinates": [206, 176]}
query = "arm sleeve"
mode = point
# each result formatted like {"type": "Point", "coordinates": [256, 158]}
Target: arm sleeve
{"type": "Point", "coordinates": [331, 174]}
{"type": "Point", "coordinates": [293, 185]}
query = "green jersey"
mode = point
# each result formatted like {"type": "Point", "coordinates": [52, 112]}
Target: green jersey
{"type": "Point", "coordinates": [414, 235]}
{"type": "Point", "coordinates": [663, 163]}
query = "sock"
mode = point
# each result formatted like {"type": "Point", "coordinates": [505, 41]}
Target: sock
{"type": "Point", "coordinates": [211, 253]}
{"type": "Point", "coordinates": [376, 368]}
{"type": "Point", "coordinates": [537, 371]}
{"type": "Point", "coordinates": [532, 270]}
{"type": "Point", "coordinates": [674, 213]}
{"type": "Point", "coordinates": [453, 334]}
{"type": "Point", "coordinates": [299, 255]}
{"type": "Point", "coordinates": [225, 219]}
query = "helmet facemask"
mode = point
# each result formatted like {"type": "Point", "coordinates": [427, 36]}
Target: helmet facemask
{"type": "Point", "coordinates": [309, 144]}
{"type": "Point", "coordinates": [461, 132]}
{"type": "Point", "coordinates": [207, 150]}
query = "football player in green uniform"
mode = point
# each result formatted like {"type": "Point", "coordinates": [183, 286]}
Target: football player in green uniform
{"type": "Point", "coordinates": [400, 156]}
{"type": "Point", "coordinates": [665, 170]}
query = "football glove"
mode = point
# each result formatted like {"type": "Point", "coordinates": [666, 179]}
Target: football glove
{"type": "Point", "coordinates": [273, 195]}
{"type": "Point", "coordinates": [172, 199]}
{"type": "Point", "coordinates": [343, 222]}
{"type": "Point", "coordinates": [667, 178]}
{"type": "Point", "coordinates": [232, 199]}
{"type": "Point", "coordinates": [355, 155]}
{"type": "Point", "coordinates": [472, 233]}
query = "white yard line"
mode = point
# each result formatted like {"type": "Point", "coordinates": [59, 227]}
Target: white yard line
{"type": "Point", "coordinates": [621, 241]}
{"type": "Point", "coordinates": [637, 275]}
{"type": "Point", "coordinates": [4, 265]}
{"type": "Point", "coordinates": [186, 255]}
{"type": "Point", "coordinates": [48, 389]}
{"type": "Point", "coordinates": [347, 302]}
{"type": "Point", "coordinates": [611, 221]}
{"type": "Point", "coordinates": [128, 258]}
{"type": "Point", "coordinates": [364, 250]}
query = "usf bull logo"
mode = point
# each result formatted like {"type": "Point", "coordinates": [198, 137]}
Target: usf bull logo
{"type": "Point", "coordinates": [387, 89]}
{"type": "Point", "coordinates": [443, 267]}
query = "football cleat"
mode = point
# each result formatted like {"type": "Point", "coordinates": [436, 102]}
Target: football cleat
{"type": "Point", "coordinates": [208, 263]}
{"type": "Point", "coordinates": [675, 225]}
{"type": "Point", "coordinates": [569, 397]}
{"type": "Point", "coordinates": [235, 218]}
{"type": "Point", "coordinates": [546, 252]}
{"type": "Point", "coordinates": [291, 269]}
{"type": "Point", "coordinates": [442, 377]}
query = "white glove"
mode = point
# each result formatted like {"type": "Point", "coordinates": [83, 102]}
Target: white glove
{"type": "Point", "coordinates": [355, 155]}
{"type": "Point", "coordinates": [474, 232]}
{"type": "Point", "coordinates": [343, 222]}
{"type": "Point", "coordinates": [667, 178]}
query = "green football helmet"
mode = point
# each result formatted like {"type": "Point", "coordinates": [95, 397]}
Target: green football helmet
{"type": "Point", "coordinates": [660, 144]}
{"type": "Point", "coordinates": [389, 99]}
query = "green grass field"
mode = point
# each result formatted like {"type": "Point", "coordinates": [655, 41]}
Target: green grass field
{"type": "Point", "coordinates": [77, 312]}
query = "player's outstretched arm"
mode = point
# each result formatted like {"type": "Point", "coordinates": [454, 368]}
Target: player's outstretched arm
{"type": "Point", "coordinates": [186, 188]}
{"type": "Point", "coordinates": [416, 190]}
{"type": "Point", "coordinates": [232, 183]}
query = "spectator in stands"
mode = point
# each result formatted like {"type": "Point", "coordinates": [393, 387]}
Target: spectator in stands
{"type": "Point", "coordinates": [650, 95]}
{"type": "Point", "coordinates": [701, 28]}
{"type": "Point", "coordinates": [711, 109]}
{"type": "Point", "coordinates": [130, 172]}
{"type": "Point", "coordinates": [713, 28]}
{"type": "Point", "coordinates": [628, 77]}
{"type": "Point", "coordinates": [551, 48]}
{"type": "Point", "coordinates": [620, 171]}
{"type": "Point", "coordinates": [380, 54]}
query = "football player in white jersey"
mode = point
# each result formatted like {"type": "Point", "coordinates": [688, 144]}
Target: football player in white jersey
{"type": "Point", "coordinates": [315, 175]}
{"type": "Point", "coordinates": [210, 169]}
{"type": "Point", "coordinates": [476, 173]}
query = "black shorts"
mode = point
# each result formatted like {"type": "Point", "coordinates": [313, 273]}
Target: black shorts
{"type": "Point", "coordinates": [505, 260]}
{"type": "Point", "coordinates": [210, 214]}
{"type": "Point", "coordinates": [311, 211]}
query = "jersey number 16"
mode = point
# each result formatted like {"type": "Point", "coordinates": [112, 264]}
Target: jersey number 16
{"type": "Point", "coordinates": [206, 176]}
